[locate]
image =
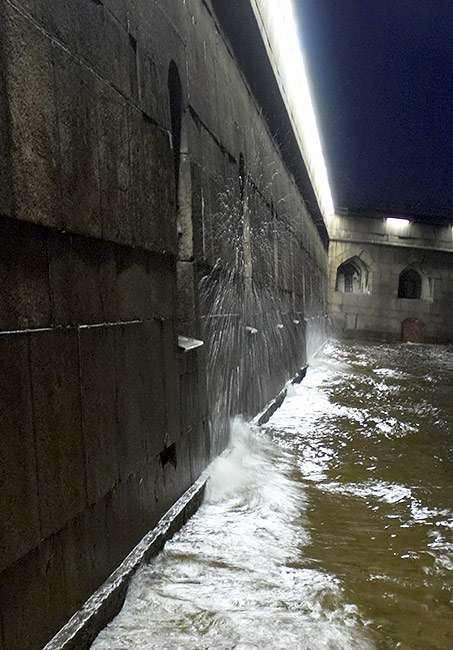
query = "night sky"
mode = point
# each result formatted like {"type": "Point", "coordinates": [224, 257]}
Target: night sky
{"type": "Point", "coordinates": [381, 74]}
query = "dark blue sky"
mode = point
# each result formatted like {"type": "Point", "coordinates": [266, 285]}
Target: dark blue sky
{"type": "Point", "coordinates": [381, 73]}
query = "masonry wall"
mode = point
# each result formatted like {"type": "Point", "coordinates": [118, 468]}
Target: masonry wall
{"type": "Point", "coordinates": [387, 248]}
{"type": "Point", "coordinates": [105, 236]}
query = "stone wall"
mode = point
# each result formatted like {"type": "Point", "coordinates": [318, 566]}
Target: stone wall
{"type": "Point", "coordinates": [388, 247]}
{"type": "Point", "coordinates": [117, 205]}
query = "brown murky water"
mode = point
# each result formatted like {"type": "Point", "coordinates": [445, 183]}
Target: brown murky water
{"type": "Point", "coordinates": [329, 528]}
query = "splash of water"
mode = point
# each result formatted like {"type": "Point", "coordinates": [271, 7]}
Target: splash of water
{"type": "Point", "coordinates": [262, 295]}
{"type": "Point", "coordinates": [236, 575]}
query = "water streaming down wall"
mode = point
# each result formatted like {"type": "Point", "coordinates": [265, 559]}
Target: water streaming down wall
{"type": "Point", "coordinates": [262, 314]}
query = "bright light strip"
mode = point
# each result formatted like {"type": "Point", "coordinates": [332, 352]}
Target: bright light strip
{"type": "Point", "coordinates": [396, 222]}
{"type": "Point", "coordinates": [278, 27]}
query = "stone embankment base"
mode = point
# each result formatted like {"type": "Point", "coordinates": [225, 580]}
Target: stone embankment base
{"type": "Point", "coordinates": [82, 629]}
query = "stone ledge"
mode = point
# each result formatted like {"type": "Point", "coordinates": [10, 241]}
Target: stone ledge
{"type": "Point", "coordinates": [82, 629]}
{"type": "Point", "coordinates": [270, 408]}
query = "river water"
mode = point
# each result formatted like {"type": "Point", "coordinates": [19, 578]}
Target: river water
{"type": "Point", "coordinates": [331, 527]}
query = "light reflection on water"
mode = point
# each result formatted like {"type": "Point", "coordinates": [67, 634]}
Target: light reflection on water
{"type": "Point", "coordinates": [330, 528]}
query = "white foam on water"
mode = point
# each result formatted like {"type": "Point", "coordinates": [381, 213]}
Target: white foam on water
{"type": "Point", "coordinates": [236, 575]}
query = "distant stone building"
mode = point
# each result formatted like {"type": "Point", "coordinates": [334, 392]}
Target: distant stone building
{"type": "Point", "coordinates": [391, 278]}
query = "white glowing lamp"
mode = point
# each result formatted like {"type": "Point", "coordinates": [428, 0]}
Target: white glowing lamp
{"type": "Point", "coordinates": [397, 223]}
{"type": "Point", "coordinates": [278, 27]}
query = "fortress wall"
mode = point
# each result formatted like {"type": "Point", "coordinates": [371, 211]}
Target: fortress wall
{"type": "Point", "coordinates": [105, 237]}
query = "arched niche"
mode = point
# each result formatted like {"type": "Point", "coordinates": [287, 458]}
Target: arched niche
{"type": "Point", "coordinates": [410, 284]}
{"type": "Point", "coordinates": [415, 284]}
{"type": "Point", "coordinates": [176, 108]}
{"type": "Point", "coordinates": [352, 276]}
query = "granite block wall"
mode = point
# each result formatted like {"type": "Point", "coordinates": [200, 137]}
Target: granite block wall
{"type": "Point", "coordinates": [107, 232]}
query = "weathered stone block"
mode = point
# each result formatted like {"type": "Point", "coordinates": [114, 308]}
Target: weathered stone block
{"type": "Point", "coordinates": [197, 211]}
{"type": "Point", "coordinates": [159, 487]}
{"type": "Point", "coordinates": [125, 519]}
{"type": "Point", "coordinates": [175, 464]}
{"type": "Point", "coordinates": [185, 229]}
{"type": "Point", "coordinates": [199, 448]}
{"type": "Point", "coordinates": [189, 400]}
{"type": "Point", "coordinates": [75, 92]}
{"type": "Point", "coordinates": [186, 299]}
{"type": "Point", "coordinates": [171, 372]}
{"type": "Point", "coordinates": [151, 493]}
{"type": "Point", "coordinates": [153, 217]}
{"type": "Point", "coordinates": [6, 185]}
{"type": "Point", "coordinates": [24, 270]}
{"type": "Point", "coordinates": [155, 390]}
{"type": "Point", "coordinates": [146, 284]}
{"type": "Point", "coordinates": [19, 510]}
{"type": "Point", "coordinates": [206, 218]}
{"type": "Point", "coordinates": [92, 33]}
{"type": "Point", "coordinates": [177, 15]}
{"type": "Point", "coordinates": [98, 395]}
{"type": "Point", "coordinates": [185, 478]}
{"type": "Point", "coordinates": [161, 285]}
{"type": "Point", "coordinates": [202, 54]}
{"type": "Point", "coordinates": [142, 14]}
{"type": "Point", "coordinates": [133, 284]}
{"type": "Point", "coordinates": [117, 62]}
{"type": "Point", "coordinates": [61, 471]}
{"type": "Point", "coordinates": [83, 280]}
{"type": "Point", "coordinates": [34, 601]}
{"type": "Point", "coordinates": [85, 551]}
{"type": "Point", "coordinates": [114, 168]}
{"type": "Point", "coordinates": [33, 120]}
{"type": "Point", "coordinates": [230, 130]}
{"type": "Point", "coordinates": [152, 88]}
{"type": "Point", "coordinates": [128, 355]}
{"type": "Point", "coordinates": [140, 394]}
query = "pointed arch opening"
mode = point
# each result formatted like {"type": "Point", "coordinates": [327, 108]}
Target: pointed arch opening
{"type": "Point", "coordinates": [352, 276]}
{"type": "Point", "coordinates": [410, 284]}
